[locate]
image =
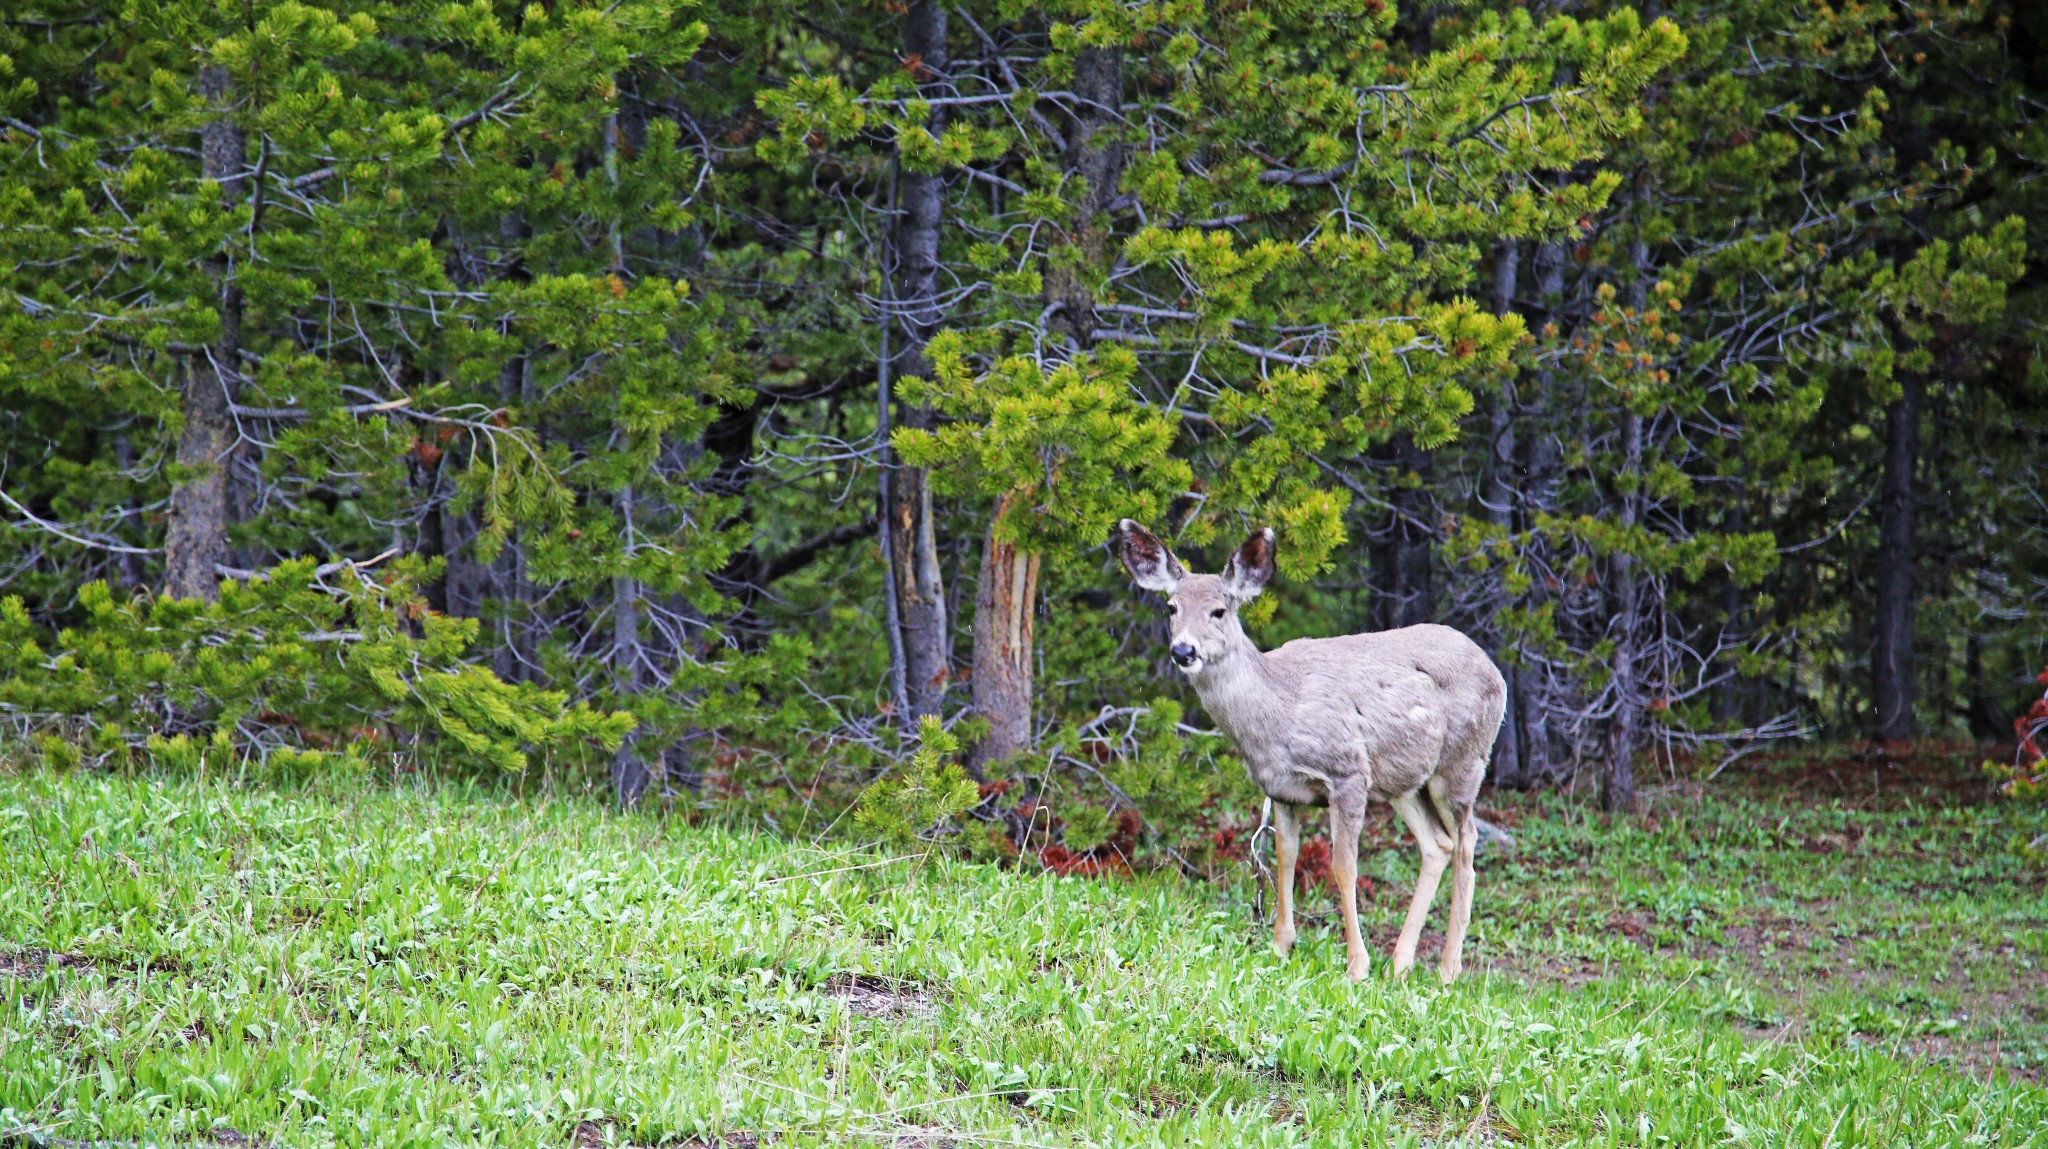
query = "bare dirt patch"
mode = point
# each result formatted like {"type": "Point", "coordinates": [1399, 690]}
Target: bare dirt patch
{"type": "Point", "coordinates": [32, 963]}
{"type": "Point", "coordinates": [601, 1135]}
{"type": "Point", "coordinates": [1633, 925]}
{"type": "Point", "coordinates": [921, 1137]}
{"type": "Point", "coordinates": [591, 1135]}
{"type": "Point", "coordinates": [1878, 775]}
{"type": "Point", "coordinates": [1465, 1131]}
{"type": "Point", "coordinates": [1570, 972]}
{"type": "Point", "coordinates": [882, 998]}
{"type": "Point", "coordinates": [32, 1138]}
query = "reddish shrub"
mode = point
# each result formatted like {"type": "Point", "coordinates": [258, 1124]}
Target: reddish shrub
{"type": "Point", "coordinates": [1312, 868]}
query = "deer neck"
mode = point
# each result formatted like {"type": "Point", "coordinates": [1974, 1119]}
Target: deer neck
{"type": "Point", "coordinates": [1243, 691]}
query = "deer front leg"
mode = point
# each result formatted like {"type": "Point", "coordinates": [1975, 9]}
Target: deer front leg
{"type": "Point", "coordinates": [1347, 820]}
{"type": "Point", "coordinates": [1287, 845]}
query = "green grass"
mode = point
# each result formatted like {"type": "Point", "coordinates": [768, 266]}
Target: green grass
{"type": "Point", "coordinates": [376, 965]}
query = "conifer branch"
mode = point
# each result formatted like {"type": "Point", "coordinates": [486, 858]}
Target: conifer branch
{"type": "Point", "coordinates": [43, 524]}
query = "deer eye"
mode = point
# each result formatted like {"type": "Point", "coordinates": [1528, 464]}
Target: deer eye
{"type": "Point", "coordinates": [1173, 608]}
{"type": "Point", "coordinates": [1219, 612]}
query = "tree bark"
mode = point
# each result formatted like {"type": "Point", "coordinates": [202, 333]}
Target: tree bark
{"type": "Point", "coordinates": [918, 583]}
{"type": "Point", "coordinates": [1539, 463]}
{"type": "Point", "coordinates": [131, 517]}
{"type": "Point", "coordinates": [1003, 646]}
{"type": "Point", "coordinates": [1989, 719]}
{"type": "Point", "coordinates": [196, 542]}
{"type": "Point", "coordinates": [1404, 590]}
{"type": "Point", "coordinates": [629, 770]}
{"type": "Point", "coordinates": [1618, 784]}
{"type": "Point", "coordinates": [1727, 704]}
{"type": "Point", "coordinates": [1892, 685]}
{"type": "Point", "coordinates": [517, 657]}
{"type": "Point", "coordinates": [1004, 654]}
{"type": "Point", "coordinates": [1097, 164]}
{"type": "Point", "coordinates": [1500, 513]}
{"type": "Point", "coordinates": [432, 540]}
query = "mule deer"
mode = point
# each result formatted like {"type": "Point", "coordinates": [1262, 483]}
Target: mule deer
{"type": "Point", "coordinates": [1405, 716]}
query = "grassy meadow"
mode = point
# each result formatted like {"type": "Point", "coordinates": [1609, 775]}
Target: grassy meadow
{"type": "Point", "coordinates": [1815, 955]}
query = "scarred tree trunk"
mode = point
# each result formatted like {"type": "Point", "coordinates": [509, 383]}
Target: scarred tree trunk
{"type": "Point", "coordinates": [196, 543]}
{"type": "Point", "coordinates": [1003, 649]}
{"type": "Point", "coordinates": [1892, 656]}
{"type": "Point", "coordinates": [913, 551]}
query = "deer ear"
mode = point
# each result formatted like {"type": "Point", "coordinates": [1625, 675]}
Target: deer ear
{"type": "Point", "coordinates": [1151, 565]}
{"type": "Point", "coordinates": [1250, 567]}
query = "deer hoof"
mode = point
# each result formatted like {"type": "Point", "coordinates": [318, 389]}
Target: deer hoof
{"type": "Point", "coordinates": [1283, 944]}
{"type": "Point", "coordinates": [1357, 968]}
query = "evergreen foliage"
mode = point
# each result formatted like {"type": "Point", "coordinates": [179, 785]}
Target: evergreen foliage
{"type": "Point", "coordinates": [309, 662]}
{"type": "Point", "coordinates": [929, 790]}
{"type": "Point", "coordinates": [729, 394]}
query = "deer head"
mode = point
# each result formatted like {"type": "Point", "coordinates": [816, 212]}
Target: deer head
{"type": "Point", "coordinates": [1201, 609]}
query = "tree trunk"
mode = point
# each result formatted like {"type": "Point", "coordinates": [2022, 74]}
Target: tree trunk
{"type": "Point", "coordinates": [131, 518]}
{"type": "Point", "coordinates": [1003, 650]}
{"type": "Point", "coordinates": [1004, 654]}
{"type": "Point", "coordinates": [629, 771]}
{"type": "Point", "coordinates": [918, 583]}
{"type": "Point", "coordinates": [1401, 556]}
{"type": "Point", "coordinates": [1727, 705]}
{"type": "Point", "coordinates": [1989, 719]}
{"type": "Point", "coordinates": [1500, 512]}
{"type": "Point", "coordinates": [1097, 164]}
{"type": "Point", "coordinates": [516, 658]}
{"type": "Point", "coordinates": [1618, 784]}
{"type": "Point", "coordinates": [432, 541]}
{"type": "Point", "coordinates": [1539, 463]}
{"type": "Point", "coordinates": [196, 543]}
{"type": "Point", "coordinates": [919, 587]}
{"type": "Point", "coordinates": [1892, 658]}
{"type": "Point", "coordinates": [629, 768]}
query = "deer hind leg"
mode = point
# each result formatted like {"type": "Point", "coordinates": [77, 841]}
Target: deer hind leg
{"type": "Point", "coordinates": [1458, 815]}
{"type": "Point", "coordinates": [1287, 847]}
{"type": "Point", "coordinates": [1436, 854]}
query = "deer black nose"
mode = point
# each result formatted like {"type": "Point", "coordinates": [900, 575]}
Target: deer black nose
{"type": "Point", "coordinates": [1183, 652]}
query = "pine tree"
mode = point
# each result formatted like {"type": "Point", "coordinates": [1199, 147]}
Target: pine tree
{"type": "Point", "coordinates": [348, 279]}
